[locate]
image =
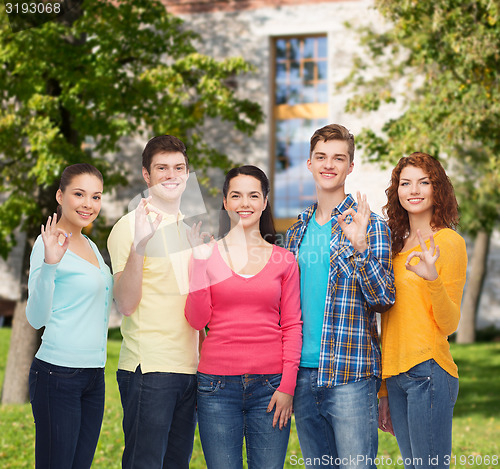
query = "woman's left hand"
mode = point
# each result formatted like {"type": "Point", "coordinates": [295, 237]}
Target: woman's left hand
{"type": "Point", "coordinates": [426, 267]}
{"type": "Point", "coordinates": [284, 407]}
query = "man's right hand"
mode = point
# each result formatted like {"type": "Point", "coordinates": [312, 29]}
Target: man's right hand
{"type": "Point", "coordinates": [144, 227]}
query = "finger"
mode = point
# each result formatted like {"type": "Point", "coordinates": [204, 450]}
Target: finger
{"type": "Point", "coordinates": [421, 241]}
{"type": "Point", "coordinates": [412, 255]}
{"type": "Point", "coordinates": [272, 402]}
{"type": "Point", "coordinates": [438, 253]}
{"type": "Point", "coordinates": [432, 244]}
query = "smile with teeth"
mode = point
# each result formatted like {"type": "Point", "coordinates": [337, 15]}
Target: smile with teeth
{"type": "Point", "coordinates": [170, 185]}
{"type": "Point", "coordinates": [415, 200]}
{"type": "Point", "coordinates": [84, 214]}
{"type": "Point", "coordinates": [328, 175]}
{"type": "Point", "coordinates": [244, 214]}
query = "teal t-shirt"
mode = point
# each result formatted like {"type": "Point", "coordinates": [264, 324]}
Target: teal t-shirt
{"type": "Point", "coordinates": [314, 264]}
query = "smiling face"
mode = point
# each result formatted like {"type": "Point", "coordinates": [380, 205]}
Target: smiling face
{"type": "Point", "coordinates": [167, 177]}
{"type": "Point", "coordinates": [245, 200]}
{"type": "Point", "coordinates": [329, 164]}
{"type": "Point", "coordinates": [81, 200]}
{"type": "Point", "coordinates": [415, 191]}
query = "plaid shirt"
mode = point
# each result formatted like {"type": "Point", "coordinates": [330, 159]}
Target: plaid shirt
{"type": "Point", "coordinates": [359, 285]}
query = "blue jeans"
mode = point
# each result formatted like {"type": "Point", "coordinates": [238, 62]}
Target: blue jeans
{"type": "Point", "coordinates": [68, 405]}
{"type": "Point", "coordinates": [231, 408]}
{"type": "Point", "coordinates": [421, 403]}
{"type": "Point", "coordinates": [337, 426]}
{"type": "Point", "coordinates": [159, 419]}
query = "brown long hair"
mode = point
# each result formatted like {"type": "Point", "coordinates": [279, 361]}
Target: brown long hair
{"type": "Point", "coordinates": [445, 213]}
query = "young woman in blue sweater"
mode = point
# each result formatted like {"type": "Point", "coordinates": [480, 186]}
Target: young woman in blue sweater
{"type": "Point", "coordinates": [70, 294]}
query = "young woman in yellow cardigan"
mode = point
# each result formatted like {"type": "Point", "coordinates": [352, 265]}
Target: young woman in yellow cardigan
{"type": "Point", "coordinates": [420, 384]}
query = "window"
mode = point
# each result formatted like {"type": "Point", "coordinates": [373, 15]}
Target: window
{"type": "Point", "coordinates": [300, 107]}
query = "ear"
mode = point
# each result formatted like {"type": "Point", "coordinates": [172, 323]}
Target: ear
{"type": "Point", "coordinates": [309, 164]}
{"type": "Point", "coordinates": [351, 167]}
{"type": "Point", "coordinates": [224, 203]}
{"type": "Point", "coordinates": [59, 196]}
{"type": "Point", "coordinates": [265, 204]}
{"type": "Point", "coordinates": [145, 175]}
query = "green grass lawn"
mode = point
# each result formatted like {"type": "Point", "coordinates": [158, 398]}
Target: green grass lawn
{"type": "Point", "coordinates": [476, 427]}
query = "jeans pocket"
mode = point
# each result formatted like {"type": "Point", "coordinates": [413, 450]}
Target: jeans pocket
{"type": "Point", "coordinates": [452, 387]}
{"type": "Point", "coordinates": [33, 379]}
{"type": "Point", "coordinates": [420, 372]}
{"type": "Point", "coordinates": [71, 373]}
{"type": "Point", "coordinates": [208, 384]}
{"type": "Point", "coordinates": [273, 381]}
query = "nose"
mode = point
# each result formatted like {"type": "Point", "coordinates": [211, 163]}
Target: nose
{"type": "Point", "coordinates": [415, 189]}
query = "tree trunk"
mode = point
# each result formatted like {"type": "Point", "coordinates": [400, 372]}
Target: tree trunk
{"type": "Point", "coordinates": [24, 342]}
{"type": "Point", "coordinates": [466, 333]}
{"type": "Point", "coordinates": [23, 345]}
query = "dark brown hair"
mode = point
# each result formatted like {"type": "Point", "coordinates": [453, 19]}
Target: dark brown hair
{"type": "Point", "coordinates": [162, 144]}
{"type": "Point", "coordinates": [445, 214]}
{"type": "Point", "coordinates": [266, 224]}
{"type": "Point", "coordinates": [333, 132]}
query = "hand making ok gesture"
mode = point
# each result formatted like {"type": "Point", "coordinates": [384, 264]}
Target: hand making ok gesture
{"type": "Point", "coordinates": [355, 231]}
{"type": "Point", "coordinates": [54, 251]}
{"type": "Point", "coordinates": [426, 267]}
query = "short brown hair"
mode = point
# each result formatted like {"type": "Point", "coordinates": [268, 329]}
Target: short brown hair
{"type": "Point", "coordinates": [333, 132]}
{"type": "Point", "coordinates": [162, 144]}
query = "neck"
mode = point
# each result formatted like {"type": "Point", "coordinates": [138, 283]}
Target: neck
{"type": "Point", "coordinates": [63, 224]}
{"type": "Point", "coordinates": [327, 201]}
{"type": "Point", "coordinates": [249, 236]}
{"type": "Point", "coordinates": [172, 207]}
{"type": "Point", "coordinates": [420, 222]}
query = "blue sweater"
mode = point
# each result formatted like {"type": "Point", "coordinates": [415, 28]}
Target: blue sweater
{"type": "Point", "coordinates": [72, 299]}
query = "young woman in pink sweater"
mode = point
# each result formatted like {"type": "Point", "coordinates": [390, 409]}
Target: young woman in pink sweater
{"type": "Point", "coordinates": [246, 290]}
{"type": "Point", "coordinates": [420, 384]}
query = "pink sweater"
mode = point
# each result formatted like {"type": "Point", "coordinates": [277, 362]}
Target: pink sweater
{"type": "Point", "coordinates": [254, 323]}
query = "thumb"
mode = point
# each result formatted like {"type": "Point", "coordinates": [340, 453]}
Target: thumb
{"type": "Point", "coordinates": [272, 403]}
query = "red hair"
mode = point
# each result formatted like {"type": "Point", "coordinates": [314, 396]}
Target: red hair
{"type": "Point", "coordinates": [445, 213]}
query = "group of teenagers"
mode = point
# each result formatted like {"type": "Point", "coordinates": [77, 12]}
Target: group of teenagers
{"type": "Point", "coordinates": [289, 329]}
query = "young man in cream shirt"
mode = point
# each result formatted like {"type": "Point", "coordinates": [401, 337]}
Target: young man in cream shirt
{"type": "Point", "coordinates": [159, 354]}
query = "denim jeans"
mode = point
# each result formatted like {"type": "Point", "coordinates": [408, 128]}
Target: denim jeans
{"type": "Point", "coordinates": [159, 419]}
{"type": "Point", "coordinates": [337, 426]}
{"type": "Point", "coordinates": [421, 403]}
{"type": "Point", "coordinates": [68, 405]}
{"type": "Point", "coordinates": [231, 408]}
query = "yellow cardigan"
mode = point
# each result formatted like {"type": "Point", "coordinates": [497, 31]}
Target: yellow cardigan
{"type": "Point", "coordinates": [426, 312]}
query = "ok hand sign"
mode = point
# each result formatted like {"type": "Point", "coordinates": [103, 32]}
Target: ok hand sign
{"type": "Point", "coordinates": [355, 231]}
{"type": "Point", "coordinates": [426, 267]}
{"type": "Point", "coordinates": [201, 250]}
{"type": "Point", "coordinates": [54, 251]}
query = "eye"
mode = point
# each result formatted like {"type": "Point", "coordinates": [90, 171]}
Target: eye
{"type": "Point", "coordinates": [234, 196]}
{"type": "Point", "coordinates": [78, 194]}
{"type": "Point", "coordinates": [97, 197]}
{"type": "Point", "coordinates": [179, 168]}
{"type": "Point", "coordinates": [404, 184]}
{"type": "Point", "coordinates": [426, 182]}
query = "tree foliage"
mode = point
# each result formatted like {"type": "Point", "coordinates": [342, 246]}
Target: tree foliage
{"type": "Point", "coordinates": [104, 71]}
{"type": "Point", "coordinates": [439, 61]}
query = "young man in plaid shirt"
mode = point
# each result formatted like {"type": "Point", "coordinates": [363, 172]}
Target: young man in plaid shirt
{"type": "Point", "coordinates": [344, 254]}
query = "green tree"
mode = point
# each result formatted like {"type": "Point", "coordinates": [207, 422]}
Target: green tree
{"type": "Point", "coordinates": [437, 61]}
{"type": "Point", "coordinates": [102, 71]}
